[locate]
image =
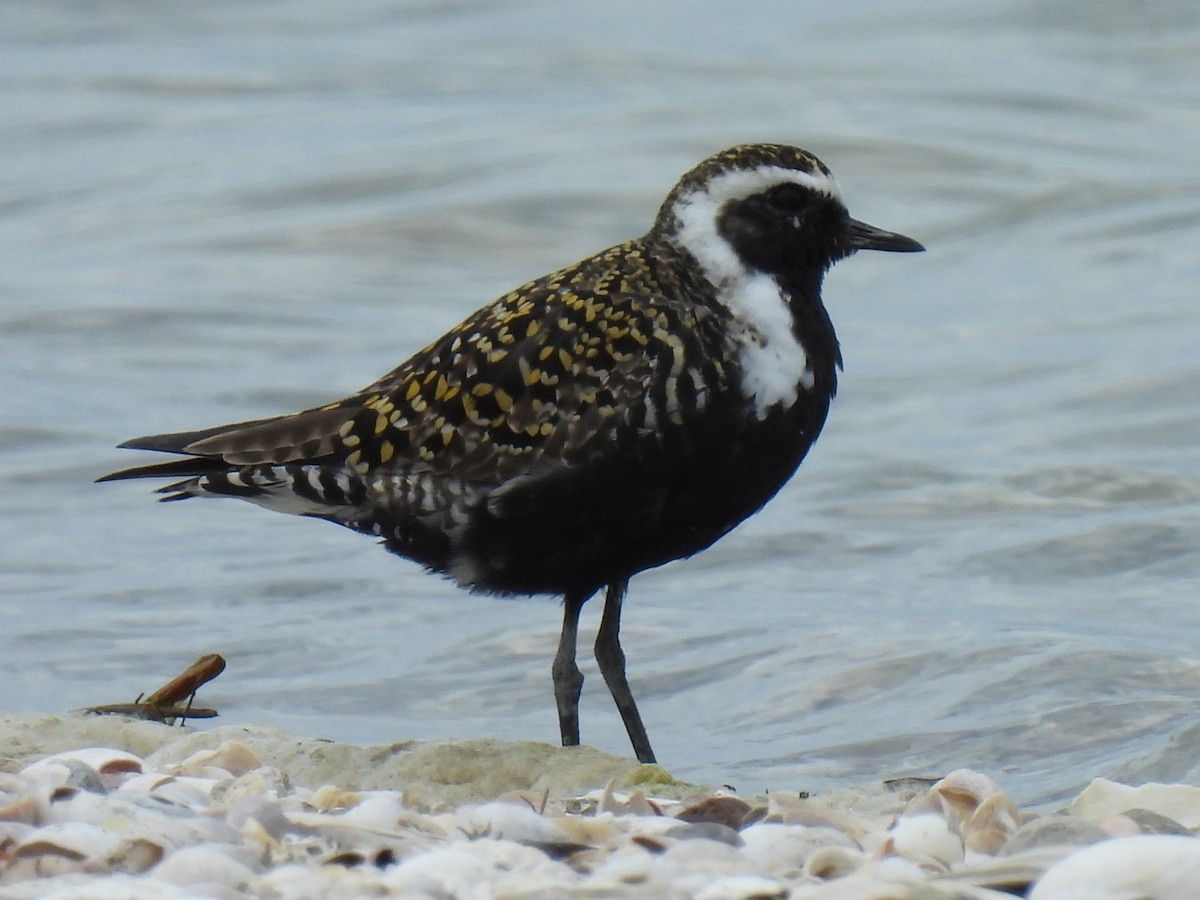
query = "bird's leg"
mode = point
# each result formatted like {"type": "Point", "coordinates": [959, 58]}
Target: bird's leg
{"type": "Point", "coordinates": [568, 680]}
{"type": "Point", "coordinates": [611, 660]}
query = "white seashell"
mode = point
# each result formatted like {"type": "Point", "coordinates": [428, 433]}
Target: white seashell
{"type": "Point", "coordinates": [871, 886]}
{"type": "Point", "coordinates": [112, 886]}
{"type": "Point", "coordinates": [586, 804]}
{"type": "Point", "coordinates": [72, 838]}
{"type": "Point", "coordinates": [508, 822]}
{"type": "Point", "coordinates": [178, 790]}
{"type": "Point", "coordinates": [1102, 797]}
{"type": "Point", "coordinates": [801, 811]}
{"type": "Point", "coordinates": [629, 863]}
{"type": "Point", "coordinates": [463, 870]}
{"type": "Point", "coordinates": [266, 844]}
{"type": "Point", "coordinates": [1147, 821]}
{"type": "Point", "coordinates": [414, 832]}
{"type": "Point", "coordinates": [133, 815]}
{"type": "Point", "coordinates": [1147, 867]}
{"type": "Point", "coordinates": [784, 849]}
{"type": "Point", "coordinates": [264, 810]}
{"type": "Point", "coordinates": [929, 803]}
{"type": "Point", "coordinates": [306, 882]}
{"type": "Point", "coordinates": [77, 806]}
{"type": "Point", "coordinates": [687, 866]}
{"type": "Point", "coordinates": [638, 804]}
{"type": "Point", "coordinates": [895, 868]}
{"type": "Point", "coordinates": [606, 800]}
{"type": "Point", "coordinates": [231, 758]}
{"type": "Point", "coordinates": [926, 840]}
{"type": "Point", "coordinates": [704, 855]}
{"type": "Point", "coordinates": [112, 766]}
{"type": "Point", "coordinates": [12, 833]}
{"type": "Point", "coordinates": [263, 781]}
{"type": "Point", "coordinates": [1052, 831]}
{"type": "Point", "coordinates": [203, 866]}
{"type": "Point", "coordinates": [30, 809]}
{"type": "Point", "coordinates": [610, 801]}
{"type": "Point", "coordinates": [383, 811]}
{"type": "Point", "coordinates": [743, 887]}
{"type": "Point", "coordinates": [963, 790]}
{"type": "Point", "coordinates": [55, 849]}
{"type": "Point", "coordinates": [50, 774]}
{"type": "Point", "coordinates": [706, 831]}
{"type": "Point", "coordinates": [829, 863]}
{"type": "Point", "coordinates": [330, 797]}
{"type": "Point", "coordinates": [1118, 825]}
{"type": "Point", "coordinates": [135, 856]}
{"type": "Point", "coordinates": [539, 880]}
{"type": "Point", "coordinates": [643, 831]}
{"type": "Point", "coordinates": [1006, 872]}
{"type": "Point", "coordinates": [994, 820]}
{"type": "Point", "coordinates": [590, 830]}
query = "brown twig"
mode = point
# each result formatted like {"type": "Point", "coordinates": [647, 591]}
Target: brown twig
{"type": "Point", "coordinates": [163, 705]}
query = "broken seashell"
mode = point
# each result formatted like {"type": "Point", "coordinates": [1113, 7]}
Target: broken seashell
{"type": "Point", "coordinates": [1158, 866]}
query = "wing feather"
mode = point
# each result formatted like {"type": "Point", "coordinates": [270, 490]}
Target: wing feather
{"type": "Point", "coordinates": [549, 375]}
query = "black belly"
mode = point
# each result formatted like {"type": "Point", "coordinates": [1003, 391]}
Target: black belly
{"type": "Point", "coordinates": [579, 528]}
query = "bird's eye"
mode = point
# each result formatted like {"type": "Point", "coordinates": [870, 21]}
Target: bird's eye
{"type": "Point", "coordinates": [789, 197]}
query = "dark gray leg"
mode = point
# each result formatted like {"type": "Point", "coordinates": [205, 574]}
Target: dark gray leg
{"type": "Point", "coordinates": [568, 680]}
{"type": "Point", "coordinates": [611, 660]}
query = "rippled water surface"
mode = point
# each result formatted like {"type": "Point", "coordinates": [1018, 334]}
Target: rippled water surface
{"type": "Point", "coordinates": [220, 211]}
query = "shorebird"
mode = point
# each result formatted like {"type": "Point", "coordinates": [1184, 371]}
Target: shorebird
{"type": "Point", "coordinates": [599, 421]}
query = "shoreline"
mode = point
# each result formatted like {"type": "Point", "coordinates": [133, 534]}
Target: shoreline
{"type": "Point", "coordinates": [434, 773]}
{"type": "Point", "coordinates": [108, 806]}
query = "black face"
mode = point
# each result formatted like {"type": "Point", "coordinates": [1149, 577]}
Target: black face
{"type": "Point", "coordinates": [786, 229]}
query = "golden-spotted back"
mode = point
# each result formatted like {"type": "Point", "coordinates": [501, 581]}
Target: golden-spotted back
{"type": "Point", "coordinates": [610, 354]}
{"type": "Point", "coordinates": [550, 374]}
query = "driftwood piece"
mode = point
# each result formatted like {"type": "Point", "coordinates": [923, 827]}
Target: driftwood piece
{"type": "Point", "coordinates": [164, 705]}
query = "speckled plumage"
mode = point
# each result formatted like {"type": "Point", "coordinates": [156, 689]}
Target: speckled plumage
{"type": "Point", "coordinates": [604, 419]}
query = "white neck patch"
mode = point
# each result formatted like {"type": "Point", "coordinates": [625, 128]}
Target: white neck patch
{"type": "Point", "coordinates": [774, 363]}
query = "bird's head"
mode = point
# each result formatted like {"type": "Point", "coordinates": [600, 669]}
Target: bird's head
{"type": "Point", "coordinates": [766, 208]}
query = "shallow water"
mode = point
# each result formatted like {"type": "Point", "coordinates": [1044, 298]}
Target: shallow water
{"type": "Point", "coordinates": [991, 558]}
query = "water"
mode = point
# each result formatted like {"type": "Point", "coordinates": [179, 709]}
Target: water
{"type": "Point", "coordinates": [228, 210]}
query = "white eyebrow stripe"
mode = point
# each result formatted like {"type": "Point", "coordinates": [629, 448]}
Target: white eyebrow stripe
{"type": "Point", "coordinates": [739, 183]}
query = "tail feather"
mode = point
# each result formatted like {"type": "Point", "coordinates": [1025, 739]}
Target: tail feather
{"type": "Point", "coordinates": [180, 490]}
{"type": "Point", "coordinates": [178, 441]}
{"type": "Point", "coordinates": [193, 466]}
{"type": "Point", "coordinates": [247, 485]}
{"type": "Point", "coordinates": [206, 478]}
